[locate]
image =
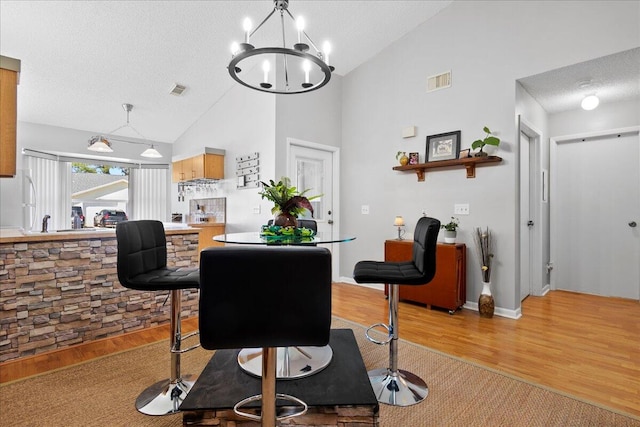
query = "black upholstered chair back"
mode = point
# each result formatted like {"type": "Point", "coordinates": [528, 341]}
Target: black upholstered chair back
{"type": "Point", "coordinates": [425, 240]}
{"type": "Point", "coordinates": [142, 247]}
{"type": "Point", "coordinates": [261, 296]}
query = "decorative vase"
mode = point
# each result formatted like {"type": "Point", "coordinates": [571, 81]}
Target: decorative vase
{"type": "Point", "coordinates": [450, 236]}
{"type": "Point", "coordinates": [404, 160]}
{"type": "Point", "coordinates": [486, 305]}
{"type": "Point", "coordinates": [285, 219]}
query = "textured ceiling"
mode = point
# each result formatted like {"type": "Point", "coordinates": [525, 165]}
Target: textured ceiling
{"type": "Point", "coordinates": [612, 78]}
{"type": "Point", "coordinates": [81, 60]}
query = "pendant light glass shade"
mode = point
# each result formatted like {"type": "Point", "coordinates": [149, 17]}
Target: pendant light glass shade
{"type": "Point", "coordinates": [100, 144]}
{"type": "Point", "coordinates": [151, 152]}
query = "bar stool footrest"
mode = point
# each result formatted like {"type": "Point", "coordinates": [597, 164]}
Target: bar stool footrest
{"type": "Point", "coordinates": [379, 325]}
{"type": "Point", "coordinates": [280, 396]}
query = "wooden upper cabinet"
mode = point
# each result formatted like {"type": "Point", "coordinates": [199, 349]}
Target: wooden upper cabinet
{"type": "Point", "coordinates": [9, 71]}
{"type": "Point", "coordinates": [203, 166]}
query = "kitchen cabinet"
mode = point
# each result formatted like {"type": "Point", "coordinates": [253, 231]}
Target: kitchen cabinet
{"type": "Point", "coordinates": [203, 166]}
{"type": "Point", "coordinates": [207, 231]}
{"type": "Point", "coordinates": [9, 73]}
{"type": "Point", "coordinates": [448, 288]}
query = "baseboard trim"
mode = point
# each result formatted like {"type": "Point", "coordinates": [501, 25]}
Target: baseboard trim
{"type": "Point", "coordinates": [350, 281]}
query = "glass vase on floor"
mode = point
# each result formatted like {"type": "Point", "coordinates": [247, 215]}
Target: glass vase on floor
{"type": "Point", "coordinates": [486, 305]}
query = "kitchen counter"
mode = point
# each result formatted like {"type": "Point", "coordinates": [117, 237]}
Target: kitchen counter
{"type": "Point", "coordinates": [61, 288]}
{"type": "Point", "coordinates": [12, 235]}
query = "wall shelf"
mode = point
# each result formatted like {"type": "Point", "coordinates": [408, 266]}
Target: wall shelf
{"type": "Point", "coordinates": [469, 163]}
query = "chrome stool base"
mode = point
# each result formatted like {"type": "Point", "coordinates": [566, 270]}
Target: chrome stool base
{"type": "Point", "coordinates": [401, 388]}
{"type": "Point", "coordinates": [164, 397]}
{"type": "Point", "coordinates": [292, 362]}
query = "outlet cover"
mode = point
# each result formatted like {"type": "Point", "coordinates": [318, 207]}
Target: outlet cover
{"type": "Point", "coordinates": [461, 209]}
{"type": "Point", "coordinates": [365, 209]}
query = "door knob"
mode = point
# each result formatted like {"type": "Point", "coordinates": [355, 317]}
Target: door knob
{"type": "Point", "coordinates": [632, 224]}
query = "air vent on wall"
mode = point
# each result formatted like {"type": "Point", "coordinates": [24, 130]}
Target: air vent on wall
{"type": "Point", "coordinates": [440, 81]}
{"type": "Point", "coordinates": [177, 89]}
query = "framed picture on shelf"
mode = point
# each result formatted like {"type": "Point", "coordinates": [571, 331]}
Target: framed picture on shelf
{"type": "Point", "coordinates": [443, 146]}
{"type": "Point", "coordinates": [414, 158]}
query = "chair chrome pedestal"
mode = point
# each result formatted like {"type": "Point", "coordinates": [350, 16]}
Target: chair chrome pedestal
{"type": "Point", "coordinates": [292, 362]}
{"type": "Point", "coordinates": [391, 385]}
{"type": "Point", "coordinates": [165, 397]}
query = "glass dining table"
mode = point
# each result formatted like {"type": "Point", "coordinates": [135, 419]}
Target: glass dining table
{"type": "Point", "coordinates": [292, 362]}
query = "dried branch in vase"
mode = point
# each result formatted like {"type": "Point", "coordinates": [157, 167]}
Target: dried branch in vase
{"type": "Point", "coordinates": [484, 248]}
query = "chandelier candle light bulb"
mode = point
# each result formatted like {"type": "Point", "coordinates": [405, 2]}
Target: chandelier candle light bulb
{"type": "Point", "coordinates": [246, 26]}
{"type": "Point", "coordinates": [326, 50]}
{"type": "Point", "coordinates": [300, 27]}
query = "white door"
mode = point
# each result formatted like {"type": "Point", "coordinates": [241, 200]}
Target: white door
{"type": "Point", "coordinates": [525, 217]}
{"type": "Point", "coordinates": [313, 167]}
{"type": "Point", "coordinates": [595, 240]}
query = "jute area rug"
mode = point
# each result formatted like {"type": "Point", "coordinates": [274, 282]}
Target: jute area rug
{"type": "Point", "coordinates": [102, 392]}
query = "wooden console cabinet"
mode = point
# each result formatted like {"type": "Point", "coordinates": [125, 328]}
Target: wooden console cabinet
{"type": "Point", "coordinates": [448, 289]}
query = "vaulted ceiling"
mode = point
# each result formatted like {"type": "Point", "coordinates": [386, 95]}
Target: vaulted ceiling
{"type": "Point", "coordinates": [81, 60]}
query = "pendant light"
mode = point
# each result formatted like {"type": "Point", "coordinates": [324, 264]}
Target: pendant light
{"type": "Point", "coordinates": [101, 144]}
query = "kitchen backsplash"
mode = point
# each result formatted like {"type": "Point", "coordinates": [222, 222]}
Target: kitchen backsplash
{"type": "Point", "coordinates": [208, 210]}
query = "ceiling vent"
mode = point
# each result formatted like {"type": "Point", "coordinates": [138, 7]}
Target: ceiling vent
{"type": "Point", "coordinates": [177, 89]}
{"type": "Point", "coordinates": [440, 81]}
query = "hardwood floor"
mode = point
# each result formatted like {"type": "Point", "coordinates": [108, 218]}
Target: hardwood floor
{"type": "Point", "coordinates": [583, 345]}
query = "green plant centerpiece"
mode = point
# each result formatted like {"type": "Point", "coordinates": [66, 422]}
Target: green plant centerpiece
{"type": "Point", "coordinates": [451, 230]}
{"type": "Point", "coordinates": [288, 202]}
{"type": "Point", "coordinates": [489, 139]}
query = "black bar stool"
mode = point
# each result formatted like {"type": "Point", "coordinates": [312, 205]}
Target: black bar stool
{"type": "Point", "coordinates": [142, 265]}
{"type": "Point", "coordinates": [391, 385]}
{"type": "Point", "coordinates": [267, 297]}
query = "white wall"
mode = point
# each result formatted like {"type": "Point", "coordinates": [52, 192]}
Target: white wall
{"type": "Point", "coordinates": [314, 117]}
{"type": "Point", "coordinates": [241, 122]}
{"type": "Point", "coordinates": [488, 46]}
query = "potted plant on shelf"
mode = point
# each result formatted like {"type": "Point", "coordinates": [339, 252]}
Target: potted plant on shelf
{"type": "Point", "coordinates": [451, 230]}
{"type": "Point", "coordinates": [484, 247]}
{"type": "Point", "coordinates": [489, 139]}
{"type": "Point", "coordinates": [288, 202]}
{"type": "Point", "coordinates": [401, 156]}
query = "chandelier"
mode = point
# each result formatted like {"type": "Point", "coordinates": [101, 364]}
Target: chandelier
{"type": "Point", "coordinates": [101, 144]}
{"type": "Point", "coordinates": [296, 70]}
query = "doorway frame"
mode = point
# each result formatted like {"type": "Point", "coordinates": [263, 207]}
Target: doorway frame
{"type": "Point", "coordinates": [335, 188]}
{"type": "Point", "coordinates": [539, 177]}
{"type": "Point", "coordinates": [553, 163]}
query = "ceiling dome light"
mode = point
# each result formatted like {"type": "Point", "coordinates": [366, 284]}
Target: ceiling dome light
{"type": "Point", "coordinates": [590, 102]}
{"type": "Point", "coordinates": [315, 74]}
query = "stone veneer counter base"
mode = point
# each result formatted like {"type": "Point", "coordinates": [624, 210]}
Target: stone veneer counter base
{"type": "Point", "coordinates": [60, 289]}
